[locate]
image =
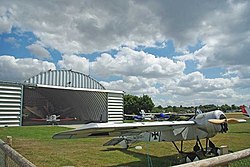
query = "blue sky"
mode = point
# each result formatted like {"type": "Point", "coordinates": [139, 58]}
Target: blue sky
{"type": "Point", "coordinates": [178, 53]}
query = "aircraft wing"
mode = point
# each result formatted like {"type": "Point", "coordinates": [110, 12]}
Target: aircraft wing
{"type": "Point", "coordinates": [121, 129]}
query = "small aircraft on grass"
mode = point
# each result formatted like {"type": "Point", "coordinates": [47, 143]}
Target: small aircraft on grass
{"type": "Point", "coordinates": [52, 119]}
{"type": "Point", "coordinates": [200, 126]}
{"type": "Point", "coordinates": [46, 115]}
{"type": "Point", "coordinates": [154, 116]}
{"type": "Point", "coordinates": [141, 116]}
{"type": "Point", "coordinates": [245, 110]}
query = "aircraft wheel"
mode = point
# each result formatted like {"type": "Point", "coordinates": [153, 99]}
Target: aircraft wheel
{"type": "Point", "coordinates": [191, 157]}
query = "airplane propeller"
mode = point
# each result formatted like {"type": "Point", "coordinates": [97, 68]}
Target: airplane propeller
{"type": "Point", "coordinates": [229, 120]}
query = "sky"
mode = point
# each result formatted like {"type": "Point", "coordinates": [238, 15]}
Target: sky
{"type": "Point", "coordinates": [187, 53]}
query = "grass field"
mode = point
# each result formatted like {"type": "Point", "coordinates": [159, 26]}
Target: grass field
{"type": "Point", "coordinates": [36, 144]}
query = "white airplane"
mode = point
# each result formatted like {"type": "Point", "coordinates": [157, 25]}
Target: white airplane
{"type": "Point", "coordinates": [52, 119]}
{"type": "Point", "coordinates": [201, 126]}
{"type": "Point", "coordinates": [141, 116]}
{"type": "Point", "coordinates": [46, 115]}
{"type": "Point", "coordinates": [245, 110]}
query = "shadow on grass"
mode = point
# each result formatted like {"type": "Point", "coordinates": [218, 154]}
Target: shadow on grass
{"type": "Point", "coordinates": [145, 160]}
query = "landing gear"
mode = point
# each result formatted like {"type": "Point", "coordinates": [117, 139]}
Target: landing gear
{"type": "Point", "coordinates": [188, 156]}
{"type": "Point", "coordinates": [198, 152]}
{"type": "Point", "coordinates": [211, 149]}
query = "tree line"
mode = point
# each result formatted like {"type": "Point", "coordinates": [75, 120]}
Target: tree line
{"type": "Point", "coordinates": [134, 104]}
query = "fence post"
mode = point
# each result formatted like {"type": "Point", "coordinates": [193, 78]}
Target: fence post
{"type": "Point", "coordinates": [223, 151]}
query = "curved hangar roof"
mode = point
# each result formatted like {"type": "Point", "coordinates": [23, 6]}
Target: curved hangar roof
{"type": "Point", "coordinates": [65, 78]}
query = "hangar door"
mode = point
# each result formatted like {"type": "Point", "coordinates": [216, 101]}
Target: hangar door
{"type": "Point", "coordinates": [71, 105]}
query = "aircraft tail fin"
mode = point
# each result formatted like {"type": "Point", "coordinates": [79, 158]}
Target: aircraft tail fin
{"type": "Point", "coordinates": [245, 110]}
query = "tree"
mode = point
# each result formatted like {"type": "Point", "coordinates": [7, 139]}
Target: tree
{"type": "Point", "coordinates": [233, 107]}
{"type": "Point", "coordinates": [146, 103]}
{"type": "Point", "coordinates": [225, 107]}
{"type": "Point", "coordinates": [131, 104]}
{"type": "Point", "coordinates": [158, 109]}
{"type": "Point", "coordinates": [169, 109]}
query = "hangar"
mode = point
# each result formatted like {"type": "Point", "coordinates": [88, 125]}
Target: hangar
{"type": "Point", "coordinates": [71, 97]}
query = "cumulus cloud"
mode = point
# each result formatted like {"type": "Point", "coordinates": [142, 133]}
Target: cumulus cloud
{"type": "Point", "coordinates": [39, 51]}
{"type": "Point", "coordinates": [219, 97]}
{"type": "Point", "coordinates": [74, 62]}
{"type": "Point", "coordinates": [128, 62]}
{"type": "Point", "coordinates": [226, 37]}
{"type": "Point", "coordinates": [89, 26]}
{"type": "Point", "coordinates": [133, 85]}
{"type": "Point", "coordinates": [6, 21]}
{"type": "Point", "coordinates": [86, 26]}
{"type": "Point", "coordinates": [196, 89]}
{"type": "Point", "coordinates": [197, 82]}
{"type": "Point", "coordinates": [14, 69]}
{"type": "Point", "coordinates": [241, 71]}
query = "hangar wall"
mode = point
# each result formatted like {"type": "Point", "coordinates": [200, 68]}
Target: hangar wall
{"type": "Point", "coordinates": [10, 104]}
{"type": "Point", "coordinates": [115, 107]}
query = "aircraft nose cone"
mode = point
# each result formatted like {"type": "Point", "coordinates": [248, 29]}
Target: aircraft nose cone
{"type": "Point", "coordinates": [222, 116]}
{"type": "Point", "coordinates": [224, 126]}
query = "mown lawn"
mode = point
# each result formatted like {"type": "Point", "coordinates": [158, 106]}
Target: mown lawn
{"type": "Point", "coordinates": [36, 144]}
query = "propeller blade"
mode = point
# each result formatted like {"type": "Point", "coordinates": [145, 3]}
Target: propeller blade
{"type": "Point", "coordinates": [234, 120]}
{"type": "Point", "coordinates": [217, 121]}
{"type": "Point", "coordinates": [35, 111]}
{"type": "Point", "coordinates": [229, 120]}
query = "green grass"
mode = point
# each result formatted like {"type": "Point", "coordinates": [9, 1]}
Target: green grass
{"type": "Point", "coordinates": [36, 144]}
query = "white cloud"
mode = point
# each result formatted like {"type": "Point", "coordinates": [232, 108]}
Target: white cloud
{"type": "Point", "coordinates": [39, 51]}
{"type": "Point", "coordinates": [197, 82]}
{"type": "Point", "coordinates": [86, 26]}
{"type": "Point", "coordinates": [129, 62]}
{"type": "Point", "coordinates": [6, 21]}
{"type": "Point", "coordinates": [74, 62]}
{"type": "Point", "coordinates": [226, 37]}
{"type": "Point", "coordinates": [190, 89]}
{"type": "Point", "coordinates": [14, 69]}
{"type": "Point", "coordinates": [196, 89]}
{"type": "Point", "coordinates": [89, 26]}
{"type": "Point", "coordinates": [240, 70]}
{"type": "Point", "coordinates": [133, 85]}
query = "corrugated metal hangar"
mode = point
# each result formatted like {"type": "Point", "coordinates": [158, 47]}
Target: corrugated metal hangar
{"type": "Point", "coordinates": [58, 96]}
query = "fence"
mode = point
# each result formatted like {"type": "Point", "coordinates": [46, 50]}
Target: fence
{"type": "Point", "coordinates": [10, 158]}
{"type": "Point", "coordinates": [220, 160]}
